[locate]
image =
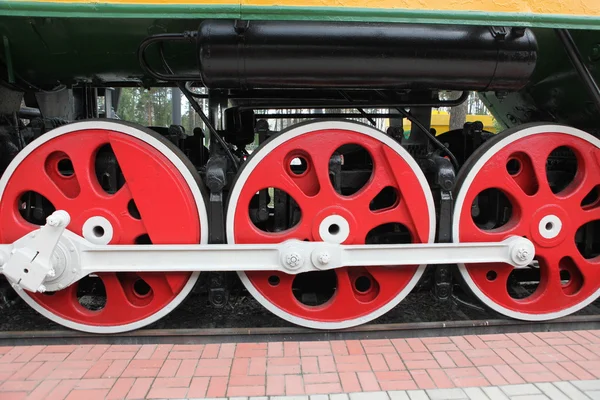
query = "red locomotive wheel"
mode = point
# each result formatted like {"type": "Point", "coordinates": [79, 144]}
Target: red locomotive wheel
{"type": "Point", "coordinates": [540, 182]}
{"type": "Point", "coordinates": [126, 186]}
{"type": "Point", "coordinates": [296, 175]}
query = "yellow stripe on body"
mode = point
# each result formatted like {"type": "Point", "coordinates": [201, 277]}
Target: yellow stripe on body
{"type": "Point", "coordinates": [543, 7]}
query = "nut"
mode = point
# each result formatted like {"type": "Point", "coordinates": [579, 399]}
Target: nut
{"type": "Point", "coordinates": [324, 258]}
{"type": "Point", "coordinates": [293, 260]}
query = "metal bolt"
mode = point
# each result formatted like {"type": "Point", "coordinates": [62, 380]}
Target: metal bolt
{"type": "Point", "coordinates": [51, 273]}
{"type": "Point", "coordinates": [60, 286]}
{"type": "Point", "coordinates": [15, 286]}
{"type": "Point", "coordinates": [522, 254]}
{"type": "Point", "coordinates": [293, 260]}
{"type": "Point", "coordinates": [324, 258]}
{"type": "Point", "coordinates": [42, 289]}
{"type": "Point", "coordinates": [74, 270]}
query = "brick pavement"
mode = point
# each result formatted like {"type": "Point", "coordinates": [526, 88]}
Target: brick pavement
{"type": "Point", "coordinates": [299, 368]}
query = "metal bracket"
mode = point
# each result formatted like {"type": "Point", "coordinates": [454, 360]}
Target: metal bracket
{"type": "Point", "coordinates": [30, 265]}
{"type": "Point", "coordinates": [34, 257]}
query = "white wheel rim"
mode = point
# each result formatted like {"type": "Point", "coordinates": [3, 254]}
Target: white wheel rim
{"type": "Point", "coordinates": [179, 164]}
{"type": "Point", "coordinates": [460, 199]}
{"type": "Point", "coordinates": [293, 133]}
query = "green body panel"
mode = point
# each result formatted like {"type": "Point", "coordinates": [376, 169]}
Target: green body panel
{"type": "Point", "coordinates": [185, 11]}
{"type": "Point", "coordinates": [48, 51]}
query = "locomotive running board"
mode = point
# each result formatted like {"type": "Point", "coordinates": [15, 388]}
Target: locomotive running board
{"type": "Point", "coordinates": [53, 258]}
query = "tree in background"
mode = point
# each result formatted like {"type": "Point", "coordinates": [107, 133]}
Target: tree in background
{"type": "Point", "coordinates": [146, 107]}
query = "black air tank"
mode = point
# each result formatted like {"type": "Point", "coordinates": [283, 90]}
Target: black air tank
{"type": "Point", "coordinates": [301, 54]}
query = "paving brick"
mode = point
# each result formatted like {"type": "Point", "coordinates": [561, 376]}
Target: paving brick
{"type": "Point", "coordinates": [247, 380]}
{"type": "Point", "coordinates": [349, 381]}
{"type": "Point", "coordinates": [18, 386]}
{"type": "Point", "coordinates": [581, 350]}
{"type": "Point", "coordinates": [507, 356]}
{"type": "Point", "coordinates": [217, 386]}
{"type": "Point", "coordinates": [211, 350]}
{"type": "Point", "coordinates": [422, 379]}
{"type": "Point", "coordinates": [33, 351]}
{"type": "Point", "coordinates": [369, 396]}
{"type": "Point", "coordinates": [275, 349]}
{"type": "Point", "coordinates": [322, 388]}
{"type": "Point", "coordinates": [593, 384]}
{"type": "Point", "coordinates": [198, 387]}
{"type": "Point", "coordinates": [576, 370]}
{"type": "Point", "coordinates": [245, 390]}
{"type": "Point", "coordinates": [103, 383]}
{"type": "Point", "coordinates": [227, 350]}
{"type": "Point", "coordinates": [310, 365]}
{"type": "Point", "coordinates": [145, 352]}
{"type": "Point", "coordinates": [509, 374]}
{"type": "Point", "coordinates": [26, 370]}
{"type": "Point", "coordinates": [559, 371]}
{"type": "Point", "coordinates": [140, 388]}
{"type": "Point", "coordinates": [115, 369]}
{"type": "Point", "coordinates": [494, 393]}
{"type": "Point", "coordinates": [327, 364]}
{"type": "Point", "coordinates": [315, 352]}
{"type": "Point", "coordinates": [394, 362]}
{"type": "Point", "coordinates": [291, 349]}
{"type": "Point", "coordinates": [377, 362]}
{"type": "Point", "coordinates": [169, 368]}
{"type": "Point", "coordinates": [171, 382]}
{"type": "Point", "coordinates": [569, 389]}
{"type": "Point", "coordinates": [551, 391]}
{"type": "Point", "coordinates": [444, 359]}
{"type": "Point", "coordinates": [398, 395]}
{"type": "Point", "coordinates": [258, 366]}
{"type": "Point", "coordinates": [534, 373]}
{"type": "Point", "coordinates": [475, 393]}
{"type": "Point", "coordinates": [338, 396]}
{"type": "Point", "coordinates": [421, 364]}
{"type": "Point", "coordinates": [42, 390]}
{"type": "Point", "coordinates": [61, 390]}
{"type": "Point", "coordinates": [275, 385]}
{"type": "Point", "coordinates": [417, 395]}
{"type": "Point", "coordinates": [368, 381]}
{"type": "Point", "coordinates": [416, 344]}
{"type": "Point", "coordinates": [184, 355]}
{"type": "Point", "coordinates": [459, 359]}
{"type": "Point", "coordinates": [294, 385]}
{"type": "Point", "coordinates": [187, 368]}
{"type": "Point", "coordinates": [121, 388]}
{"type": "Point", "coordinates": [162, 352]}
{"type": "Point", "coordinates": [162, 393]}
{"type": "Point", "coordinates": [492, 375]}
{"type": "Point", "coordinates": [338, 347]}
{"type": "Point", "coordinates": [440, 378]}
{"type": "Point", "coordinates": [240, 366]}
{"type": "Point", "coordinates": [401, 346]}
{"type": "Point", "coordinates": [97, 394]}
{"type": "Point", "coordinates": [519, 390]}
{"type": "Point", "coordinates": [446, 394]}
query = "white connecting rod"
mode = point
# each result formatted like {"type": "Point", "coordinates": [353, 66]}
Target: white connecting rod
{"type": "Point", "coordinates": [74, 257]}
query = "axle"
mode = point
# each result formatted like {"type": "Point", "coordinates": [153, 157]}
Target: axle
{"type": "Point", "coordinates": [53, 258]}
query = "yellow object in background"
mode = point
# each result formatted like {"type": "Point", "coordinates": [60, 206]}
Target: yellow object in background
{"type": "Point", "coordinates": [440, 121]}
